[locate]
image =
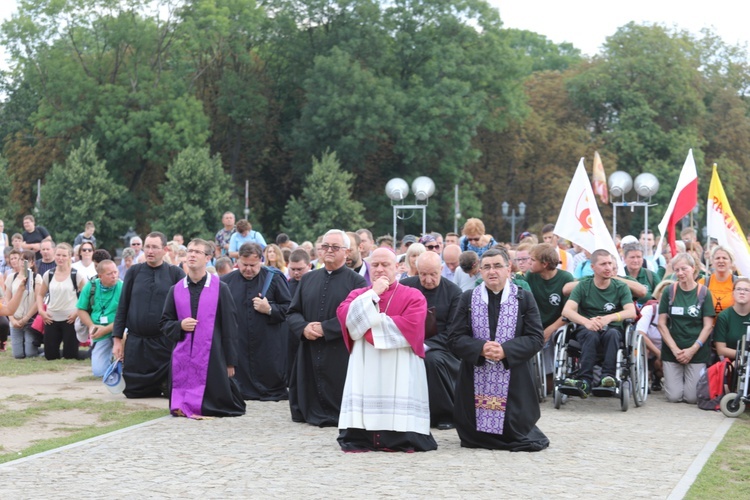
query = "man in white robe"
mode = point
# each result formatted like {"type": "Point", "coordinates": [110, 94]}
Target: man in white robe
{"type": "Point", "coordinates": [385, 405]}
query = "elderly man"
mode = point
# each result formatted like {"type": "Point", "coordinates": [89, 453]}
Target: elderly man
{"type": "Point", "coordinates": [200, 318]}
{"type": "Point", "coordinates": [261, 297]}
{"type": "Point", "coordinates": [354, 259]}
{"type": "Point", "coordinates": [598, 306]}
{"type": "Point", "coordinates": [316, 384]}
{"type": "Point", "coordinates": [97, 307]}
{"type": "Point", "coordinates": [442, 365]}
{"type": "Point", "coordinates": [451, 255]}
{"type": "Point", "coordinates": [632, 255]}
{"type": "Point", "coordinates": [385, 405]}
{"type": "Point", "coordinates": [147, 352]}
{"type": "Point", "coordinates": [495, 332]}
{"type": "Point", "coordinates": [136, 243]}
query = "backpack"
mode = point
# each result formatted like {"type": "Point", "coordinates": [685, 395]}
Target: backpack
{"type": "Point", "coordinates": [639, 308]}
{"type": "Point", "coordinates": [714, 383]}
{"type": "Point", "coordinates": [73, 278]}
{"type": "Point", "coordinates": [702, 291]}
{"type": "Point", "coordinates": [707, 279]}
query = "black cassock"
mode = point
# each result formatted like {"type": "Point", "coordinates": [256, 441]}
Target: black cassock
{"type": "Point", "coordinates": [316, 385]}
{"type": "Point", "coordinates": [147, 351]}
{"type": "Point", "coordinates": [520, 432]}
{"type": "Point", "coordinates": [221, 397]}
{"type": "Point", "coordinates": [262, 339]}
{"type": "Point", "coordinates": [441, 364]}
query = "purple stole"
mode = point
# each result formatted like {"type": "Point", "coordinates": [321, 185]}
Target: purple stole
{"type": "Point", "coordinates": [190, 356]}
{"type": "Point", "coordinates": [491, 380]}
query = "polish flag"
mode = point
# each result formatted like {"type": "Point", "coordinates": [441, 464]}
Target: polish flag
{"type": "Point", "coordinates": [685, 197]}
{"type": "Point", "coordinates": [600, 180]}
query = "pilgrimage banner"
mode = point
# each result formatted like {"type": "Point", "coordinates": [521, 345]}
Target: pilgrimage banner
{"type": "Point", "coordinates": [723, 225]}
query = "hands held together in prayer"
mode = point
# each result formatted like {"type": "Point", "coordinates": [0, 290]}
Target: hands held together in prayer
{"type": "Point", "coordinates": [493, 351]}
{"type": "Point", "coordinates": [313, 331]}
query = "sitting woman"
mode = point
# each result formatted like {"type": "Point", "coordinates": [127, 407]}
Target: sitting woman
{"type": "Point", "coordinates": [733, 322]}
{"type": "Point", "coordinates": [686, 315]}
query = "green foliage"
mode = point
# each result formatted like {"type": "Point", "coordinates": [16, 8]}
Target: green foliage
{"type": "Point", "coordinates": [79, 190]}
{"type": "Point", "coordinates": [545, 55]}
{"type": "Point", "coordinates": [326, 202]}
{"type": "Point", "coordinates": [8, 207]}
{"type": "Point", "coordinates": [196, 194]}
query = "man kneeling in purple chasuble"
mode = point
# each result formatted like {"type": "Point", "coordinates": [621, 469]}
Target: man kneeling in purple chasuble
{"type": "Point", "coordinates": [496, 331]}
{"type": "Point", "coordinates": [199, 315]}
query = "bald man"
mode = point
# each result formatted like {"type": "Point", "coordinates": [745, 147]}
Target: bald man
{"type": "Point", "coordinates": [385, 405]}
{"type": "Point", "coordinates": [442, 365]}
{"type": "Point", "coordinates": [451, 253]}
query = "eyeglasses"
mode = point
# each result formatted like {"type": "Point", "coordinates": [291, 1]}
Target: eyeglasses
{"type": "Point", "coordinates": [87, 249]}
{"type": "Point", "coordinates": [473, 239]}
{"type": "Point", "coordinates": [432, 247]}
{"type": "Point", "coordinates": [195, 251]}
{"type": "Point", "coordinates": [152, 247]}
{"type": "Point", "coordinates": [742, 290]}
{"type": "Point", "coordinates": [333, 248]}
{"type": "Point", "coordinates": [490, 267]}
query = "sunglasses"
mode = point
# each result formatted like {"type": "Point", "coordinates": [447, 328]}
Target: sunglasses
{"type": "Point", "coordinates": [473, 239]}
{"type": "Point", "coordinates": [87, 249]}
{"type": "Point", "coordinates": [432, 247]}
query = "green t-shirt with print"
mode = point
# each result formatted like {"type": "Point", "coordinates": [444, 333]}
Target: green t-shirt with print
{"type": "Point", "coordinates": [548, 294]}
{"type": "Point", "coordinates": [104, 308]}
{"type": "Point", "coordinates": [686, 321]}
{"type": "Point", "coordinates": [730, 327]}
{"type": "Point", "coordinates": [593, 301]}
{"type": "Point", "coordinates": [643, 279]}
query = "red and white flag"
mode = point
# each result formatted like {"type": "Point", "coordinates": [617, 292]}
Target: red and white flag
{"type": "Point", "coordinates": [685, 197]}
{"type": "Point", "coordinates": [600, 180]}
{"type": "Point", "coordinates": [580, 220]}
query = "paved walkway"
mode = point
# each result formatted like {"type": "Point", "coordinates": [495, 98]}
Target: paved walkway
{"type": "Point", "coordinates": [596, 452]}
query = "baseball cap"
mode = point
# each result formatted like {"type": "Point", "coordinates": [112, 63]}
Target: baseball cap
{"type": "Point", "coordinates": [408, 240]}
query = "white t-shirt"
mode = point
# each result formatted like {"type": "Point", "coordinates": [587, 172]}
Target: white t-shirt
{"type": "Point", "coordinates": [62, 295]}
{"type": "Point", "coordinates": [88, 271]}
{"type": "Point", "coordinates": [29, 296]}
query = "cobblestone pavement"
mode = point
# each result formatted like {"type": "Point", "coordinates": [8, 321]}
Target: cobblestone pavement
{"type": "Point", "coordinates": [596, 451]}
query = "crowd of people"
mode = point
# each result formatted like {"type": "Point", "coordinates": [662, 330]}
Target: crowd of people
{"type": "Point", "coordinates": [383, 339]}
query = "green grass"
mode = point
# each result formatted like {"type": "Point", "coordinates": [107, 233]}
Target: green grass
{"type": "Point", "coordinates": [107, 411]}
{"type": "Point", "coordinates": [727, 472]}
{"type": "Point", "coordinates": [11, 367]}
{"type": "Point", "coordinates": [121, 420]}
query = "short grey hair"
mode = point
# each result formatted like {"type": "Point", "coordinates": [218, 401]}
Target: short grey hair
{"type": "Point", "coordinates": [344, 236]}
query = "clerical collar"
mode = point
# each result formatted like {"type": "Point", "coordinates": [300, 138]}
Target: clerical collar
{"type": "Point", "coordinates": [204, 281]}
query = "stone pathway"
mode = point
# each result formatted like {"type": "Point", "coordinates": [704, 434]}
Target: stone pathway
{"type": "Point", "coordinates": [596, 451]}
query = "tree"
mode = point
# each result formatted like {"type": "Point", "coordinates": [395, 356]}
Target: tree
{"type": "Point", "coordinates": [8, 207]}
{"type": "Point", "coordinates": [79, 190]}
{"type": "Point", "coordinates": [326, 202]}
{"type": "Point", "coordinates": [197, 192]}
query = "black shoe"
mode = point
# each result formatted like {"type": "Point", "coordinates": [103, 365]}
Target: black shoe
{"type": "Point", "coordinates": [656, 386]}
{"type": "Point", "coordinates": [445, 426]}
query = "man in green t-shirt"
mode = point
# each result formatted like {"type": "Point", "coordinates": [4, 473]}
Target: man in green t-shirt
{"type": "Point", "coordinates": [598, 306]}
{"type": "Point", "coordinates": [633, 258]}
{"type": "Point", "coordinates": [97, 306]}
{"type": "Point", "coordinates": [733, 322]}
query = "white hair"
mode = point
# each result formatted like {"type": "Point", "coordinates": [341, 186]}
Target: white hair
{"type": "Point", "coordinates": [344, 236]}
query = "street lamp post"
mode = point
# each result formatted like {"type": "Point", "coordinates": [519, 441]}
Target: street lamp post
{"type": "Point", "coordinates": [397, 190]}
{"type": "Point", "coordinates": [646, 186]}
{"type": "Point", "coordinates": [513, 218]}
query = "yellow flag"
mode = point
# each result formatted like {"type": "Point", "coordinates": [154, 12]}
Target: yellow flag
{"type": "Point", "coordinates": [600, 180]}
{"type": "Point", "coordinates": [723, 225]}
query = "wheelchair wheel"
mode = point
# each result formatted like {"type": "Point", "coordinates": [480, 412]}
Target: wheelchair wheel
{"type": "Point", "coordinates": [540, 379]}
{"type": "Point", "coordinates": [625, 395]}
{"type": "Point", "coordinates": [558, 397]}
{"type": "Point", "coordinates": [731, 406]}
{"type": "Point", "coordinates": [639, 372]}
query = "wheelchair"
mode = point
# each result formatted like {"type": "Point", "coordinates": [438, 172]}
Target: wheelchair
{"type": "Point", "coordinates": [733, 403]}
{"type": "Point", "coordinates": [538, 370]}
{"type": "Point", "coordinates": [631, 369]}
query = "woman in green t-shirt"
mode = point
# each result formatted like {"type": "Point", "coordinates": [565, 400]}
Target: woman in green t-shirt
{"type": "Point", "coordinates": [685, 320]}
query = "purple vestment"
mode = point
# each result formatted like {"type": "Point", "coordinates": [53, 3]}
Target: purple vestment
{"type": "Point", "coordinates": [190, 356]}
{"type": "Point", "coordinates": [491, 380]}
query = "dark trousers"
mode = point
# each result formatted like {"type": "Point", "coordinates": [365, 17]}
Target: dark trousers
{"type": "Point", "coordinates": [60, 332]}
{"type": "Point", "coordinates": [605, 342]}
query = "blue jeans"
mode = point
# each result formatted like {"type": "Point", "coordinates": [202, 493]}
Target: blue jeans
{"type": "Point", "coordinates": [22, 342]}
{"type": "Point", "coordinates": [101, 356]}
{"type": "Point", "coordinates": [592, 343]}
